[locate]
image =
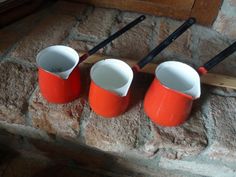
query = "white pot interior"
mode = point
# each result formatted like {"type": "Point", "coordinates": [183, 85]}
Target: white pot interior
{"type": "Point", "coordinates": [113, 75]}
{"type": "Point", "coordinates": [180, 77]}
{"type": "Point", "coordinates": [58, 59]}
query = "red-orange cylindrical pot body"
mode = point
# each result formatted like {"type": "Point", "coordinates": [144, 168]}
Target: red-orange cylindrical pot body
{"type": "Point", "coordinates": [57, 90]}
{"type": "Point", "coordinates": [109, 94]}
{"type": "Point", "coordinates": [107, 103]}
{"type": "Point", "coordinates": [165, 106]}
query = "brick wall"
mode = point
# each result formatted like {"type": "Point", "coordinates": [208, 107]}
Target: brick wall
{"type": "Point", "coordinates": [204, 146]}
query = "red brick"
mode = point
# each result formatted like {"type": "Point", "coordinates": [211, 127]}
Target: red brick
{"type": "Point", "coordinates": [98, 24]}
{"type": "Point", "coordinates": [50, 31]}
{"type": "Point", "coordinates": [17, 83]}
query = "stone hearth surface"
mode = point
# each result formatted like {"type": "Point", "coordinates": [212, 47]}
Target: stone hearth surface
{"type": "Point", "coordinates": [130, 144]}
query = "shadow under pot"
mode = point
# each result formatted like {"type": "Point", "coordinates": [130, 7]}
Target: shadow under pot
{"type": "Point", "coordinates": [109, 94]}
{"type": "Point", "coordinates": [169, 99]}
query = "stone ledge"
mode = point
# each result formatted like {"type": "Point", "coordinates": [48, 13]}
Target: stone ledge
{"type": "Point", "coordinates": [141, 137]}
{"type": "Point", "coordinates": [130, 132]}
{"type": "Point", "coordinates": [75, 156]}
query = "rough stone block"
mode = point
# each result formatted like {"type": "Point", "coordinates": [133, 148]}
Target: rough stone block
{"type": "Point", "coordinates": [188, 139]}
{"type": "Point", "coordinates": [127, 17]}
{"type": "Point", "coordinates": [134, 44]}
{"type": "Point", "coordinates": [225, 21]}
{"type": "Point", "coordinates": [208, 48]}
{"type": "Point", "coordinates": [225, 25]}
{"type": "Point", "coordinates": [180, 48]}
{"type": "Point", "coordinates": [17, 83]}
{"type": "Point", "coordinates": [97, 26]}
{"type": "Point", "coordinates": [123, 133]}
{"type": "Point", "coordinates": [58, 119]}
{"type": "Point", "coordinates": [118, 134]}
{"type": "Point", "coordinates": [24, 25]}
{"type": "Point", "coordinates": [80, 45]}
{"type": "Point", "coordinates": [134, 131]}
{"type": "Point", "coordinates": [50, 31]}
{"type": "Point", "coordinates": [221, 91]}
{"type": "Point", "coordinates": [223, 128]}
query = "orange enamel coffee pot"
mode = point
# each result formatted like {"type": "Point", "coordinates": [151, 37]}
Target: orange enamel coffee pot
{"type": "Point", "coordinates": [109, 93]}
{"type": "Point", "coordinates": [169, 99]}
{"type": "Point", "coordinates": [58, 71]}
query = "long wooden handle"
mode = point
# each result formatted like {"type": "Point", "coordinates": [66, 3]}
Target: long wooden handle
{"type": "Point", "coordinates": [209, 79]}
